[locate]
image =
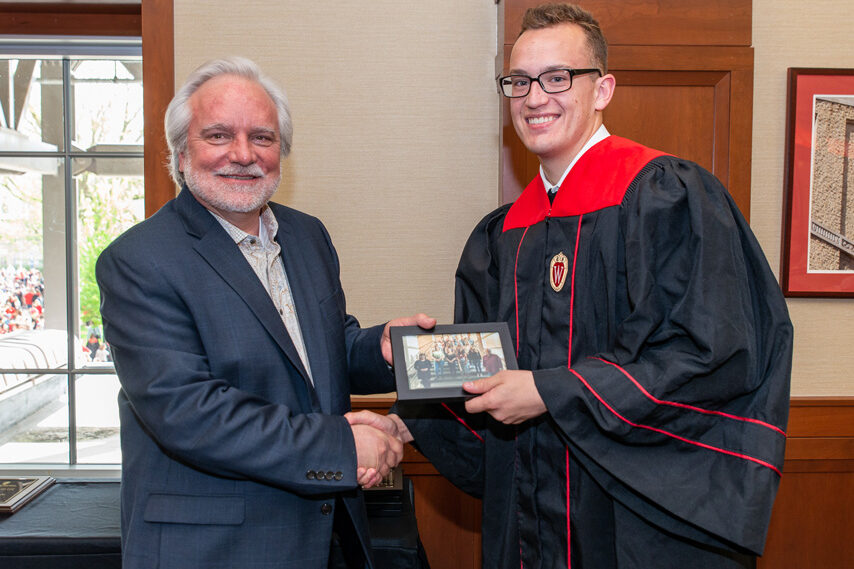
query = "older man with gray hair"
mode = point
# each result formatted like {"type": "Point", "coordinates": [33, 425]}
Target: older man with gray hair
{"type": "Point", "coordinates": [236, 356]}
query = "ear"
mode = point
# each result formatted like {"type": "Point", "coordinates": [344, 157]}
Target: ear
{"type": "Point", "coordinates": [605, 86]}
{"type": "Point", "coordinates": [181, 162]}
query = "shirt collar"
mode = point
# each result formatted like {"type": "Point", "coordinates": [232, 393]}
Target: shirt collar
{"type": "Point", "coordinates": [267, 228]}
{"type": "Point", "coordinates": [598, 136]}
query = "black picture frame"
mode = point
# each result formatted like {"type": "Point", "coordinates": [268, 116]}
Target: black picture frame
{"type": "Point", "coordinates": [443, 381]}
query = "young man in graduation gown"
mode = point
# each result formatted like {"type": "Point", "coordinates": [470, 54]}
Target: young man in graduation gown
{"type": "Point", "coordinates": [645, 426]}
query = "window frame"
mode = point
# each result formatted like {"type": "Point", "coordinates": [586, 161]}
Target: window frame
{"type": "Point", "coordinates": [153, 23]}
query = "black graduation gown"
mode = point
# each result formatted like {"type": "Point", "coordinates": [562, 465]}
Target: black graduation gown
{"type": "Point", "coordinates": [664, 436]}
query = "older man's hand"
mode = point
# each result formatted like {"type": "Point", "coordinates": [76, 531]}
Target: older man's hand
{"type": "Point", "coordinates": [420, 319]}
{"type": "Point", "coordinates": [378, 448]}
{"type": "Point", "coordinates": [391, 423]}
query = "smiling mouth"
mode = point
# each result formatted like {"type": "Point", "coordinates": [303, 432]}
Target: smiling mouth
{"type": "Point", "coordinates": [238, 177]}
{"type": "Point", "coordinates": [541, 120]}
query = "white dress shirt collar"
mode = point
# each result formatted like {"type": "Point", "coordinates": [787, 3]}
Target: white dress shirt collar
{"type": "Point", "coordinates": [598, 136]}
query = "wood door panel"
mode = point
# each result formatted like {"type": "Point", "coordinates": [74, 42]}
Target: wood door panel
{"type": "Point", "coordinates": [663, 22]}
{"type": "Point", "coordinates": [811, 524]}
{"type": "Point", "coordinates": [640, 110]}
{"type": "Point", "coordinates": [448, 522]}
{"type": "Point", "coordinates": [679, 113]}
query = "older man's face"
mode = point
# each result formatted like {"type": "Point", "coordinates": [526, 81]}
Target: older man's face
{"type": "Point", "coordinates": [233, 149]}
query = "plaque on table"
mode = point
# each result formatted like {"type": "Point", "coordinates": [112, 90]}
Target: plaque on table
{"type": "Point", "coordinates": [386, 498]}
{"type": "Point", "coordinates": [16, 491]}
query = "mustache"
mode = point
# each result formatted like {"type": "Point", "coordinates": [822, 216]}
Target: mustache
{"type": "Point", "coordinates": [251, 170]}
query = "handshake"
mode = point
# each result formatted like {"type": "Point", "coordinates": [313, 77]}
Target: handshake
{"type": "Point", "coordinates": [379, 444]}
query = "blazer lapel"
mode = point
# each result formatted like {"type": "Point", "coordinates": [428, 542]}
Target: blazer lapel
{"type": "Point", "coordinates": [221, 253]}
{"type": "Point", "coordinates": [298, 269]}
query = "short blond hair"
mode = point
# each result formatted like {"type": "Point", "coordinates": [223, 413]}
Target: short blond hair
{"type": "Point", "coordinates": [548, 15]}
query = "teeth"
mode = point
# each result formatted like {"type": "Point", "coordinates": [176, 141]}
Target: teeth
{"type": "Point", "coordinates": [541, 120]}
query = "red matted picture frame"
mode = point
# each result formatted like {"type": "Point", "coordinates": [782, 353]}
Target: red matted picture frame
{"type": "Point", "coordinates": [818, 224]}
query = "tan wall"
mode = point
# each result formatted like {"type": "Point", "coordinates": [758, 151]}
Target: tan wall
{"type": "Point", "coordinates": [791, 33]}
{"type": "Point", "coordinates": [395, 129]}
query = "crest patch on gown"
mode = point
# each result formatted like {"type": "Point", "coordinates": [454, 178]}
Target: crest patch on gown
{"type": "Point", "coordinates": [557, 271]}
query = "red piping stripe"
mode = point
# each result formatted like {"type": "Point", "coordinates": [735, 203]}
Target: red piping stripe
{"type": "Point", "coordinates": [568, 540]}
{"type": "Point", "coordinates": [691, 407]}
{"type": "Point", "coordinates": [463, 422]}
{"type": "Point", "coordinates": [572, 291]}
{"type": "Point", "coordinates": [677, 437]}
{"type": "Point", "coordinates": [516, 288]}
{"type": "Point", "coordinates": [568, 364]}
{"type": "Point", "coordinates": [516, 306]}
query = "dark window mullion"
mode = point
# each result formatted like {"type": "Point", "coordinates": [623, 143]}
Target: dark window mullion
{"type": "Point", "coordinates": [70, 260]}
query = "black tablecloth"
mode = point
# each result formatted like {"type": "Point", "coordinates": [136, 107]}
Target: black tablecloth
{"type": "Point", "coordinates": [74, 524]}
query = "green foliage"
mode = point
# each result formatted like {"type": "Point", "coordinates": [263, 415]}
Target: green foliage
{"type": "Point", "coordinates": [107, 206]}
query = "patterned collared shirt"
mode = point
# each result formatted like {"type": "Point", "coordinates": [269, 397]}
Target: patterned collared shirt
{"type": "Point", "coordinates": [265, 257]}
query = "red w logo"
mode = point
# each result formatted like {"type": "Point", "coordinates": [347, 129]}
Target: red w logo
{"type": "Point", "coordinates": [558, 272]}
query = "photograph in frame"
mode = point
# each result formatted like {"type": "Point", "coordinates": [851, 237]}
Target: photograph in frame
{"type": "Point", "coordinates": [432, 365]}
{"type": "Point", "coordinates": [818, 224]}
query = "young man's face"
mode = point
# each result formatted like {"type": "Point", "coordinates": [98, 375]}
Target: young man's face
{"type": "Point", "coordinates": [555, 126]}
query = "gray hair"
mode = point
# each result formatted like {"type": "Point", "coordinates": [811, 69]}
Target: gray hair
{"type": "Point", "coordinates": [178, 114]}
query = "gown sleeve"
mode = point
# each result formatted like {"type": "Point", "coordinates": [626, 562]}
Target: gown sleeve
{"type": "Point", "coordinates": [683, 420]}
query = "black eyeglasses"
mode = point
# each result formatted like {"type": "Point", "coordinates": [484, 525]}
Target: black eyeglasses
{"type": "Point", "coordinates": [554, 81]}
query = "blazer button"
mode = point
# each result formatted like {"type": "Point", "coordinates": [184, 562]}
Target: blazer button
{"type": "Point", "coordinates": [311, 475]}
{"type": "Point", "coordinates": [330, 475]}
{"type": "Point", "coordinates": [338, 475]}
{"type": "Point", "coordinates": [326, 509]}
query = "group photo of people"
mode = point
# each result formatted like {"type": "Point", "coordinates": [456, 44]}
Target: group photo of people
{"type": "Point", "coordinates": [445, 360]}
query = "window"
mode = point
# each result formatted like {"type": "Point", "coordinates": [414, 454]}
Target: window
{"type": "Point", "coordinates": [71, 180]}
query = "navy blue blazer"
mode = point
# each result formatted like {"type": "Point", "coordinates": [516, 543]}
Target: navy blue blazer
{"type": "Point", "coordinates": [231, 457]}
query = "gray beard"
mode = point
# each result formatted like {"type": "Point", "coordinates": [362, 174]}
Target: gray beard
{"type": "Point", "coordinates": [221, 195]}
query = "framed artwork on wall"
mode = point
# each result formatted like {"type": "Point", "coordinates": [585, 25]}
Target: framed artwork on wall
{"type": "Point", "coordinates": [818, 224]}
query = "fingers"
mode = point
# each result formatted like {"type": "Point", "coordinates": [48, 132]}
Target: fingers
{"type": "Point", "coordinates": [376, 449]}
{"type": "Point", "coordinates": [390, 424]}
{"type": "Point", "coordinates": [402, 430]}
{"type": "Point", "coordinates": [424, 321]}
{"type": "Point", "coordinates": [477, 405]}
{"type": "Point", "coordinates": [482, 387]}
{"type": "Point", "coordinates": [368, 477]}
{"type": "Point", "coordinates": [419, 319]}
{"type": "Point", "coordinates": [375, 420]}
{"type": "Point", "coordinates": [479, 386]}
{"type": "Point", "coordinates": [511, 397]}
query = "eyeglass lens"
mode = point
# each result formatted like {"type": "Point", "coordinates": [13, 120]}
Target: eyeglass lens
{"type": "Point", "coordinates": [555, 81]}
